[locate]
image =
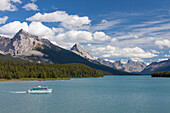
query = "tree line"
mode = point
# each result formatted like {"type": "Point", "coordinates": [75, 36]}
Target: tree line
{"type": "Point", "coordinates": [161, 74]}
{"type": "Point", "coordinates": [17, 70]}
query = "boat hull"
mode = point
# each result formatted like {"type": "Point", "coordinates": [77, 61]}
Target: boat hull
{"type": "Point", "coordinates": [40, 91]}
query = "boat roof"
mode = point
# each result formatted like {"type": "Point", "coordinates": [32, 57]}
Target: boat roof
{"type": "Point", "coordinates": [39, 87]}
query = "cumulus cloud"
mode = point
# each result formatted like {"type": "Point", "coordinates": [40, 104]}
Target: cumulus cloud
{"type": "Point", "coordinates": [163, 43]}
{"type": "Point", "coordinates": [66, 20]}
{"type": "Point", "coordinates": [3, 20]}
{"type": "Point", "coordinates": [101, 36]}
{"type": "Point", "coordinates": [75, 36]}
{"type": "Point", "coordinates": [58, 30]}
{"type": "Point", "coordinates": [111, 51]}
{"type": "Point", "coordinates": [35, 28]}
{"type": "Point", "coordinates": [30, 6]}
{"type": "Point", "coordinates": [12, 28]}
{"type": "Point", "coordinates": [7, 5]}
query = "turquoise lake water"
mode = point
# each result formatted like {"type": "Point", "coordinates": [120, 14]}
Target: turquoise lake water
{"type": "Point", "coordinates": [111, 94]}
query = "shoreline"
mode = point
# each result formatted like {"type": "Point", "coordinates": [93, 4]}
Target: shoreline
{"type": "Point", "coordinates": [41, 79]}
{"type": "Point", "coordinates": [34, 79]}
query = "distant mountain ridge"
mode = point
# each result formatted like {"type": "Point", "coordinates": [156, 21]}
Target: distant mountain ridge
{"type": "Point", "coordinates": [157, 67]}
{"type": "Point", "coordinates": [33, 48]}
{"type": "Point", "coordinates": [131, 66]}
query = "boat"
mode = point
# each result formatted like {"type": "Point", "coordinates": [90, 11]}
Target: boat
{"type": "Point", "coordinates": [40, 89]}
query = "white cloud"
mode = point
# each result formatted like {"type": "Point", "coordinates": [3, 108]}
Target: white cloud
{"type": "Point", "coordinates": [154, 51]}
{"type": "Point", "coordinates": [3, 20]}
{"type": "Point", "coordinates": [12, 28]}
{"type": "Point", "coordinates": [136, 59]}
{"type": "Point", "coordinates": [37, 28]}
{"type": "Point", "coordinates": [105, 25]}
{"type": "Point", "coordinates": [111, 51]}
{"type": "Point", "coordinates": [100, 36]}
{"type": "Point", "coordinates": [167, 55]}
{"type": "Point", "coordinates": [33, 0]}
{"type": "Point", "coordinates": [7, 5]}
{"type": "Point", "coordinates": [75, 36]}
{"type": "Point", "coordinates": [58, 30]}
{"type": "Point", "coordinates": [162, 59]}
{"type": "Point", "coordinates": [67, 21]}
{"type": "Point", "coordinates": [16, 1]}
{"type": "Point", "coordinates": [112, 61]}
{"type": "Point", "coordinates": [163, 43]}
{"type": "Point", "coordinates": [148, 23]}
{"type": "Point", "coordinates": [30, 6]}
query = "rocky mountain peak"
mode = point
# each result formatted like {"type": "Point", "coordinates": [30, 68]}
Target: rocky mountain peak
{"type": "Point", "coordinates": [23, 44]}
{"type": "Point", "coordinates": [81, 51]}
{"type": "Point", "coordinates": [134, 66]}
{"type": "Point", "coordinates": [22, 34]}
{"type": "Point", "coordinates": [22, 31]}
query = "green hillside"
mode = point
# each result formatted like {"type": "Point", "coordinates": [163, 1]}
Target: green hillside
{"type": "Point", "coordinates": [161, 74]}
{"type": "Point", "coordinates": [11, 59]}
{"type": "Point", "coordinates": [62, 56]}
{"type": "Point", "coordinates": [17, 70]}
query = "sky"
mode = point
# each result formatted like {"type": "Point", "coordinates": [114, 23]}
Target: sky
{"type": "Point", "coordinates": [137, 30]}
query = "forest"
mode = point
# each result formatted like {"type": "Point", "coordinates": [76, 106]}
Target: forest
{"type": "Point", "coordinates": [161, 74]}
{"type": "Point", "coordinates": [17, 70]}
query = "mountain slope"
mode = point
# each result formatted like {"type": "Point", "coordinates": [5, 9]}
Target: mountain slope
{"type": "Point", "coordinates": [34, 48]}
{"type": "Point", "coordinates": [63, 56]}
{"type": "Point", "coordinates": [81, 51]}
{"type": "Point", "coordinates": [8, 58]}
{"type": "Point", "coordinates": [157, 67]}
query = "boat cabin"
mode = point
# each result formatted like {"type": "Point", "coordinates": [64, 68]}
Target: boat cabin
{"type": "Point", "coordinates": [39, 88]}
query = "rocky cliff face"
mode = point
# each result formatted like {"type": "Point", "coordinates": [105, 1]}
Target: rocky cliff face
{"type": "Point", "coordinates": [157, 67]}
{"type": "Point", "coordinates": [131, 66]}
{"type": "Point", "coordinates": [118, 65]}
{"type": "Point", "coordinates": [23, 44]}
{"type": "Point", "coordinates": [81, 51]}
{"type": "Point", "coordinates": [4, 43]}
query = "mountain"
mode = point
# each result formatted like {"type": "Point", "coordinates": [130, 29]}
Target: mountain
{"type": "Point", "coordinates": [81, 51]}
{"type": "Point", "coordinates": [157, 67]}
{"type": "Point", "coordinates": [131, 66]}
{"type": "Point", "coordinates": [24, 45]}
{"type": "Point", "coordinates": [33, 48]}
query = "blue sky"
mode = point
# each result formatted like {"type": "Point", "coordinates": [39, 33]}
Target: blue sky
{"type": "Point", "coordinates": [111, 29]}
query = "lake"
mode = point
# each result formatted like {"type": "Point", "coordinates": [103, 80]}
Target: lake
{"type": "Point", "coordinates": [111, 94]}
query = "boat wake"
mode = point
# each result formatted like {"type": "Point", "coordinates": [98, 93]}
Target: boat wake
{"type": "Point", "coordinates": [18, 92]}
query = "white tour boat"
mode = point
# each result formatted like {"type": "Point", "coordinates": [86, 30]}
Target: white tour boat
{"type": "Point", "coordinates": [40, 89]}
